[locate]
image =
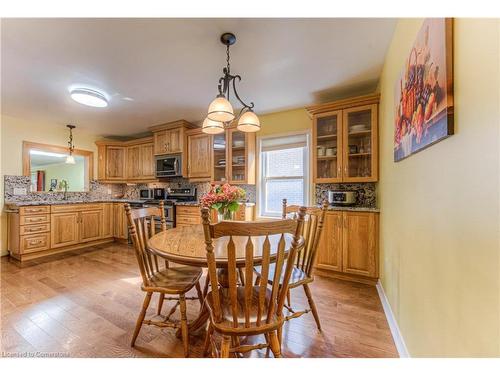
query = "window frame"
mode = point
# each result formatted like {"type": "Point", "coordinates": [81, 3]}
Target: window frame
{"type": "Point", "coordinates": [262, 178]}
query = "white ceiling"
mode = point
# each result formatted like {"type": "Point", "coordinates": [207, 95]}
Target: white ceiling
{"type": "Point", "coordinates": [170, 67]}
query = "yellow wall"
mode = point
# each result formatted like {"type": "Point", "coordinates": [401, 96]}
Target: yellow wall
{"type": "Point", "coordinates": [440, 207]}
{"type": "Point", "coordinates": [13, 132]}
{"type": "Point", "coordinates": [284, 122]}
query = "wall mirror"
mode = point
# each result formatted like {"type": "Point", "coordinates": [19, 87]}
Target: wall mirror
{"type": "Point", "coordinates": [51, 171]}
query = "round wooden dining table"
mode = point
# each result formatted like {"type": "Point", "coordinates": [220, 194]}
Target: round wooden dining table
{"type": "Point", "coordinates": [186, 245]}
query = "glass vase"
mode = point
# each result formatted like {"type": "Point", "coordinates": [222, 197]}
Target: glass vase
{"type": "Point", "coordinates": [224, 214]}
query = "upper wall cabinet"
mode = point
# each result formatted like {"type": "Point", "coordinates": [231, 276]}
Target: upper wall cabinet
{"type": "Point", "coordinates": [131, 161]}
{"type": "Point", "coordinates": [345, 140]}
{"type": "Point", "coordinates": [220, 158]}
{"type": "Point", "coordinates": [199, 155]}
{"type": "Point", "coordinates": [170, 138]}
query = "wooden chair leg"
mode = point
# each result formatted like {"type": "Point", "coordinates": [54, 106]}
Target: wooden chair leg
{"type": "Point", "coordinates": [312, 305]}
{"type": "Point", "coordinates": [206, 346]}
{"type": "Point", "coordinates": [288, 298]}
{"type": "Point", "coordinates": [160, 303]}
{"type": "Point", "coordinates": [200, 294]}
{"type": "Point", "coordinates": [184, 325]}
{"type": "Point", "coordinates": [205, 287]}
{"type": "Point", "coordinates": [141, 316]}
{"type": "Point", "coordinates": [268, 341]}
{"type": "Point", "coordinates": [280, 334]}
{"type": "Point", "coordinates": [275, 345]}
{"type": "Point", "coordinates": [225, 347]}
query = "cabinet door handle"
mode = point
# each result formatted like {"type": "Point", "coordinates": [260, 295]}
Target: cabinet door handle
{"type": "Point", "coordinates": [345, 171]}
{"type": "Point", "coordinates": [339, 171]}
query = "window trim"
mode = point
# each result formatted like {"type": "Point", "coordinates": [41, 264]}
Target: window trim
{"type": "Point", "coordinates": [308, 188]}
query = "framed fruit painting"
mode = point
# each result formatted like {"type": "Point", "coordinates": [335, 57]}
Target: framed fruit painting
{"type": "Point", "coordinates": [424, 91]}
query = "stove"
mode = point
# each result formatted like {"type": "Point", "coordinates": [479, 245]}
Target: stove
{"type": "Point", "coordinates": [172, 196]}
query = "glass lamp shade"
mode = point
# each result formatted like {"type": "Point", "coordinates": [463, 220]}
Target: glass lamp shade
{"type": "Point", "coordinates": [212, 127]}
{"type": "Point", "coordinates": [220, 110]}
{"type": "Point", "coordinates": [70, 159]}
{"type": "Point", "coordinates": [249, 122]}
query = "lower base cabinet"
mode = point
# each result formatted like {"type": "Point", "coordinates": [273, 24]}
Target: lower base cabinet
{"type": "Point", "coordinates": [64, 230]}
{"type": "Point", "coordinates": [348, 247]}
{"type": "Point", "coordinates": [120, 225]}
{"type": "Point", "coordinates": [36, 231]}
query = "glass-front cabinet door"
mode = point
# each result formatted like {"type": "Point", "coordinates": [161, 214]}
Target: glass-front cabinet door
{"type": "Point", "coordinates": [220, 158]}
{"type": "Point", "coordinates": [360, 144]}
{"type": "Point", "coordinates": [237, 155]}
{"type": "Point", "coordinates": [327, 138]}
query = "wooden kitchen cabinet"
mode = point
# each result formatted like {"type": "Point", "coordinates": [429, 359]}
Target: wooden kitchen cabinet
{"type": "Point", "coordinates": [134, 165]}
{"type": "Point", "coordinates": [169, 141]}
{"type": "Point", "coordinates": [64, 229]}
{"type": "Point", "coordinates": [120, 222]}
{"type": "Point", "coordinates": [241, 157]}
{"type": "Point", "coordinates": [345, 140]}
{"type": "Point", "coordinates": [199, 155]}
{"type": "Point", "coordinates": [107, 220]}
{"type": "Point", "coordinates": [232, 157]}
{"type": "Point", "coordinates": [360, 244]}
{"type": "Point", "coordinates": [348, 247]}
{"type": "Point", "coordinates": [36, 231]}
{"type": "Point", "coordinates": [330, 244]}
{"type": "Point", "coordinates": [170, 138]}
{"type": "Point", "coordinates": [129, 161]}
{"type": "Point", "coordinates": [90, 225]}
{"type": "Point", "coordinates": [115, 163]}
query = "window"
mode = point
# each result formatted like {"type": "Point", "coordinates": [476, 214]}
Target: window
{"type": "Point", "coordinates": [284, 173]}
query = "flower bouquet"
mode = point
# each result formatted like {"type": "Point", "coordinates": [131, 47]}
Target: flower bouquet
{"type": "Point", "coordinates": [224, 198]}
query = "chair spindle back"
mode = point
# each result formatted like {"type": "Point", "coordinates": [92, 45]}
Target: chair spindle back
{"type": "Point", "coordinates": [311, 231]}
{"type": "Point", "coordinates": [251, 230]}
{"type": "Point", "coordinates": [141, 224]}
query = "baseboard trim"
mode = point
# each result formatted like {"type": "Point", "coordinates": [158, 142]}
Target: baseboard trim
{"type": "Point", "coordinates": [393, 324]}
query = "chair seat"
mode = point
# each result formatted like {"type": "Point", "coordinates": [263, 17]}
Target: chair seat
{"type": "Point", "coordinates": [226, 324]}
{"type": "Point", "coordinates": [297, 277]}
{"type": "Point", "coordinates": [174, 280]}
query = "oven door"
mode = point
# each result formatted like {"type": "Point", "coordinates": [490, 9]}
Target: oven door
{"type": "Point", "coordinates": [168, 166]}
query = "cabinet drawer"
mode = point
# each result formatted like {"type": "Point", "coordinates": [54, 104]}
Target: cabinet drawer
{"type": "Point", "coordinates": [189, 220]}
{"type": "Point", "coordinates": [34, 210]}
{"type": "Point", "coordinates": [37, 242]}
{"type": "Point", "coordinates": [188, 211]}
{"type": "Point", "coordinates": [76, 207]}
{"type": "Point", "coordinates": [34, 228]}
{"type": "Point", "coordinates": [34, 219]}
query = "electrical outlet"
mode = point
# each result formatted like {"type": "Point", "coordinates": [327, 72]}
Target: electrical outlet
{"type": "Point", "coordinates": [19, 191]}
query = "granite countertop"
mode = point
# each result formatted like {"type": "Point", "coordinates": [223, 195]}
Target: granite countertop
{"type": "Point", "coordinates": [196, 203]}
{"type": "Point", "coordinates": [52, 203]}
{"type": "Point", "coordinates": [355, 208]}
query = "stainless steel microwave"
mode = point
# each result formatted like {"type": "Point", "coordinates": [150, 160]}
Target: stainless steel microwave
{"type": "Point", "coordinates": [169, 166]}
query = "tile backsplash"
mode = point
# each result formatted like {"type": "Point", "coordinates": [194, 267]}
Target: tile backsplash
{"type": "Point", "coordinates": [366, 193]}
{"type": "Point", "coordinates": [132, 191]}
{"type": "Point", "coordinates": [100, 191]}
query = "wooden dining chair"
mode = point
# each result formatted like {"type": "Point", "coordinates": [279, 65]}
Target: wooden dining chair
{"type": "Point", "coordinates": [303, 270]}
{"type": "Point", "coordinates": [176, 281]}
{"type": "Point", "coordinates": [247, 310]}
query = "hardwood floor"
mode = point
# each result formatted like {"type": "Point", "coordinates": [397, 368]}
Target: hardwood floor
{"type": "Point", "coordinates": [85, 304]}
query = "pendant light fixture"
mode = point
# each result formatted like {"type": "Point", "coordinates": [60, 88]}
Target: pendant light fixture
{"type": "Point", "coordinates": [220, 111]}
{"type": "Point", "coordinates": [70, 159]}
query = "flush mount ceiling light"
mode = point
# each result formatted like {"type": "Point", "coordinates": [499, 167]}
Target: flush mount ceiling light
{"type": "Point", "coordinates": [89, 97]}
{"type": "Point", "coordinates": [220, 112]}
{"type": "Point", "coordinates": [70, 159]}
